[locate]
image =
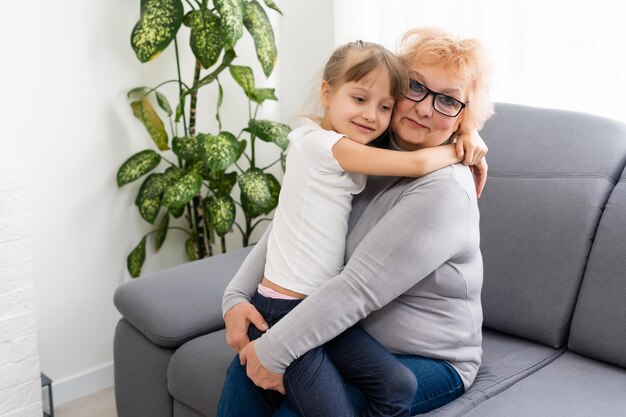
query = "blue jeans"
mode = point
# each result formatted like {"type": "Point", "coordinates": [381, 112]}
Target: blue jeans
{"type": "Point", "coordinates": [388, 384]}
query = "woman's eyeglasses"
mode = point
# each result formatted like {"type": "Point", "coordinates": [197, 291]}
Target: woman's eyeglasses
{"type": "Point", "coordinates": [446, 105]}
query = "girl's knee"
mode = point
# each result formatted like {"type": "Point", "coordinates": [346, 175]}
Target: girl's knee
{"type": "Point", "coordinates": [404, 386]}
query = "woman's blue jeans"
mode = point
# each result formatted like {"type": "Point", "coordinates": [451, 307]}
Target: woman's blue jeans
{"type": "Point", "coordinates": [357, 357]}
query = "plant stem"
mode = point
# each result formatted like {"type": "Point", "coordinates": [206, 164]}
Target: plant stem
{"type": "Point", "coordinates": [201, 246]}
{"type": "Point", "coordinates": [259, 221]}
{"type": "Point", "coordinates": [229, 55]}
{"type": "Point", "coordinates": [271, 165]}
{"type": "Point", "coordinates": [170, 228]}
{"type": "Point", "coordinates": [246, 235]}
{"type": "Point", "coordinates": [194, 99]}
{"type": "Point", "coordinates": [223, 242]}
{"type": "Point", "coordinates": [240, 230]}
{"type": "Point", "coordinates": [180, 84]}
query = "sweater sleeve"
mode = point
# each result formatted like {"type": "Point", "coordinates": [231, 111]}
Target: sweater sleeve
{"type": "Point", "coordinates": [427, 227]}
{"type": "Point", "coordinates": [244, 284]}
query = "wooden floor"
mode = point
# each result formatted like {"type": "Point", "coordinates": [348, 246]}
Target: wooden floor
{"type": "Point", "coordinates": [98, 404]}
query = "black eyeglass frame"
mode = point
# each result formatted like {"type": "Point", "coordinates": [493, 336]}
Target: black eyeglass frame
{"type": "Point", "coordinates": [435, 94]}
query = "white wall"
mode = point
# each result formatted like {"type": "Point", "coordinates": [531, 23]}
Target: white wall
{"type": "Point", "coordinates": [65, 112]}
{"type": "Point", "coordinates": [20, 384]}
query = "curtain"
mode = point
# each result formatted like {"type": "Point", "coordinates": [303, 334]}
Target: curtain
{"type": "Point", "coordinates": [549, 53]}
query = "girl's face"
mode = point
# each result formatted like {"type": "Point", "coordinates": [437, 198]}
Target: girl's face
{"type": "Point", "coordinates": [359, 110]}
{"type": "Point", "coordinates": [419, 125]}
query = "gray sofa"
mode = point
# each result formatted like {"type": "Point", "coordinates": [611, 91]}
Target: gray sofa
{"type": "Point", "coordinates": [553, 232]}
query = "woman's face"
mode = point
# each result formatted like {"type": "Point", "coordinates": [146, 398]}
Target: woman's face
{"type": "Point", "coordinates": [419, 125]}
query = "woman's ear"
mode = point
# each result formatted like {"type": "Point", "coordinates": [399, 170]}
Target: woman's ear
{"type": "Point", "coordinates": [325, 94]}
{"type": "Point", "coordinates": [458, 127]}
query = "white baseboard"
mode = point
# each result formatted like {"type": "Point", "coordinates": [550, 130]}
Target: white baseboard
{"type": "Point", "coordinates": [84, 383]}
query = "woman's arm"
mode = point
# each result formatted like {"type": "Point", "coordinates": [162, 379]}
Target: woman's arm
{"type": "Point", "coordinates": [362, 159]}
{"type": "Point", "coordinates": [425, 229]}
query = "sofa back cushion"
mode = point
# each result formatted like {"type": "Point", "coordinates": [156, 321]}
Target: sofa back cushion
{"type": "Point", "coordinates": [551, 173]}
{"type": "Point", "coordinates": [599, 323]}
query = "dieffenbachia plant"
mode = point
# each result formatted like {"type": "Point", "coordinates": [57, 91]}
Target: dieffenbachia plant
{"type": "Point", "coordinates": [200, 182]}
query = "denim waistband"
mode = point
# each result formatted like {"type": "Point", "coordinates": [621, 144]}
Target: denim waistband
{"type": "Point", "coordinates": [273, 304]}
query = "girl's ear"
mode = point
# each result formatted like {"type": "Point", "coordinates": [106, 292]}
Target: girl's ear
{"type": "Point", "coordinates": [325, 94]}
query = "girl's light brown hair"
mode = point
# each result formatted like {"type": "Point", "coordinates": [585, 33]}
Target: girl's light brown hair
{"type": "Point", "coordinates": [356, 60]}
{"type": "Point", "coordinates": [464, 59]}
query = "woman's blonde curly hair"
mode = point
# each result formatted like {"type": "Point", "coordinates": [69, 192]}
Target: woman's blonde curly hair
{"type": "Point", "coordinates": [464, 59]}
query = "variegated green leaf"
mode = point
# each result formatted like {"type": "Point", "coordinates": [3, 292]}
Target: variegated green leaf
{"type": "Point", "coordinates": [161, 233]}
{"type": "Point", "coordinates": [186, 148]}
{"type": "Point", "coordinates": [137, 91]}
{"type": "Point", "coordinates": [231, 12]}
{"type": "Point", "coordinates": [137, 165]}
{"type": "Point", "coordinates": [219, 152]}
{"type": "Point", "coordinates": [270, 131]}
{"type": "Point", "coordinates": [220, 98]}
{"type": "Point", "coordinates": [242, 147]}
{"type": "Point", "coordinates": [163, 103]}
{"type": "Point", "coordinates": [272, 5]}
{"type": "Point", "coordinates": [143, 110]}
{"type": "Point", "coordinates": [259, 95]}
{"type": "Point", "coordinates": [177, 211]}
{"type": "Point", "coordinates": [206, 37]}
{"type": "Point", "coordinates": [156, 28]}
{"type": "Point", "coordinates": [172, 175]}
{"type": "Point", "coordinates": [244, 77]}
{"type": "Point", "coordinates": [149, 197]}
{"type": "Point", "coordinates": [179, 109]}
{"type": "Point", "coordinates": [219, 212]}
{"type": "Point", "coordinates": [259, 26]}
{"type": "Point", "coordinates": [190, 249]}
{"type": "Point", "coordinates": [283, 161]}
{"type": "Point", "coordinates": [183, 191]}
{"type": "Point", "coordinates": [275, 191]}
{"type": "Point", "coordinates": [224, 183]}
{"type": "Point", "coordinates": [136, 258]}
{"type": "Point", "coordinates": [256, 194]}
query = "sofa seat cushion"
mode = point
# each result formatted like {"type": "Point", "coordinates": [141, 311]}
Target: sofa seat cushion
{"type": "Point", "coordinates": [571, 386]}
{"type": "Point", "coordinates": [197, 370]}
{"type": "Point", "coordinates": [506, 360]}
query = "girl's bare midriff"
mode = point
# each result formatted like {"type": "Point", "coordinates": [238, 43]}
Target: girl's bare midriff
{"type": "Point", "coordinates": [269, 284]}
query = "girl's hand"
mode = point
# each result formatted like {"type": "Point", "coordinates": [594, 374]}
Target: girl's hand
{"type": "Point", "coordinates": [237, 320]}
{"type": "Point", "coordinates": [480, 175]}
{"type": "Point", "coordinates": [470, 147]}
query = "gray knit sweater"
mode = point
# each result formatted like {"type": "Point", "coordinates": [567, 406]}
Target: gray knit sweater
{"type": "Point", "coordinates": [412, 277]}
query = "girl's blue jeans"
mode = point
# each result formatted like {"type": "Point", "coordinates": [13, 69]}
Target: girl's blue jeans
{"type": "Point", "coordinates": [388, 385]}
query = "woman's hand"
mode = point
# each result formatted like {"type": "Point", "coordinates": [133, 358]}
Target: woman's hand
{"type": "Point", "coordinates": [257, 372]}
{"type": "Point", "coordinates": [471, 148]}
{"type": "Point", "coordinates": [480, 175]}
{"type": "Point", "coordinates": [237, 320]}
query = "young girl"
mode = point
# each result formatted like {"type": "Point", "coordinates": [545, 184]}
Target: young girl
{"type": "Point", "coordinates": [326, 165]}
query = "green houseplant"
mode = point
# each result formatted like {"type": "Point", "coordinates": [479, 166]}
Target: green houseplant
{"type": "Point", "coordinates": [194, 174]}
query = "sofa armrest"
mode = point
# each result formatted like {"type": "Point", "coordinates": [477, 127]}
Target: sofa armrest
{"type": "Point", "coordinates": [178, 304]}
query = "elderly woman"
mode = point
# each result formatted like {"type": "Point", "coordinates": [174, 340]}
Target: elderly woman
{"type": "Point", "coordinates": [413, 270]}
